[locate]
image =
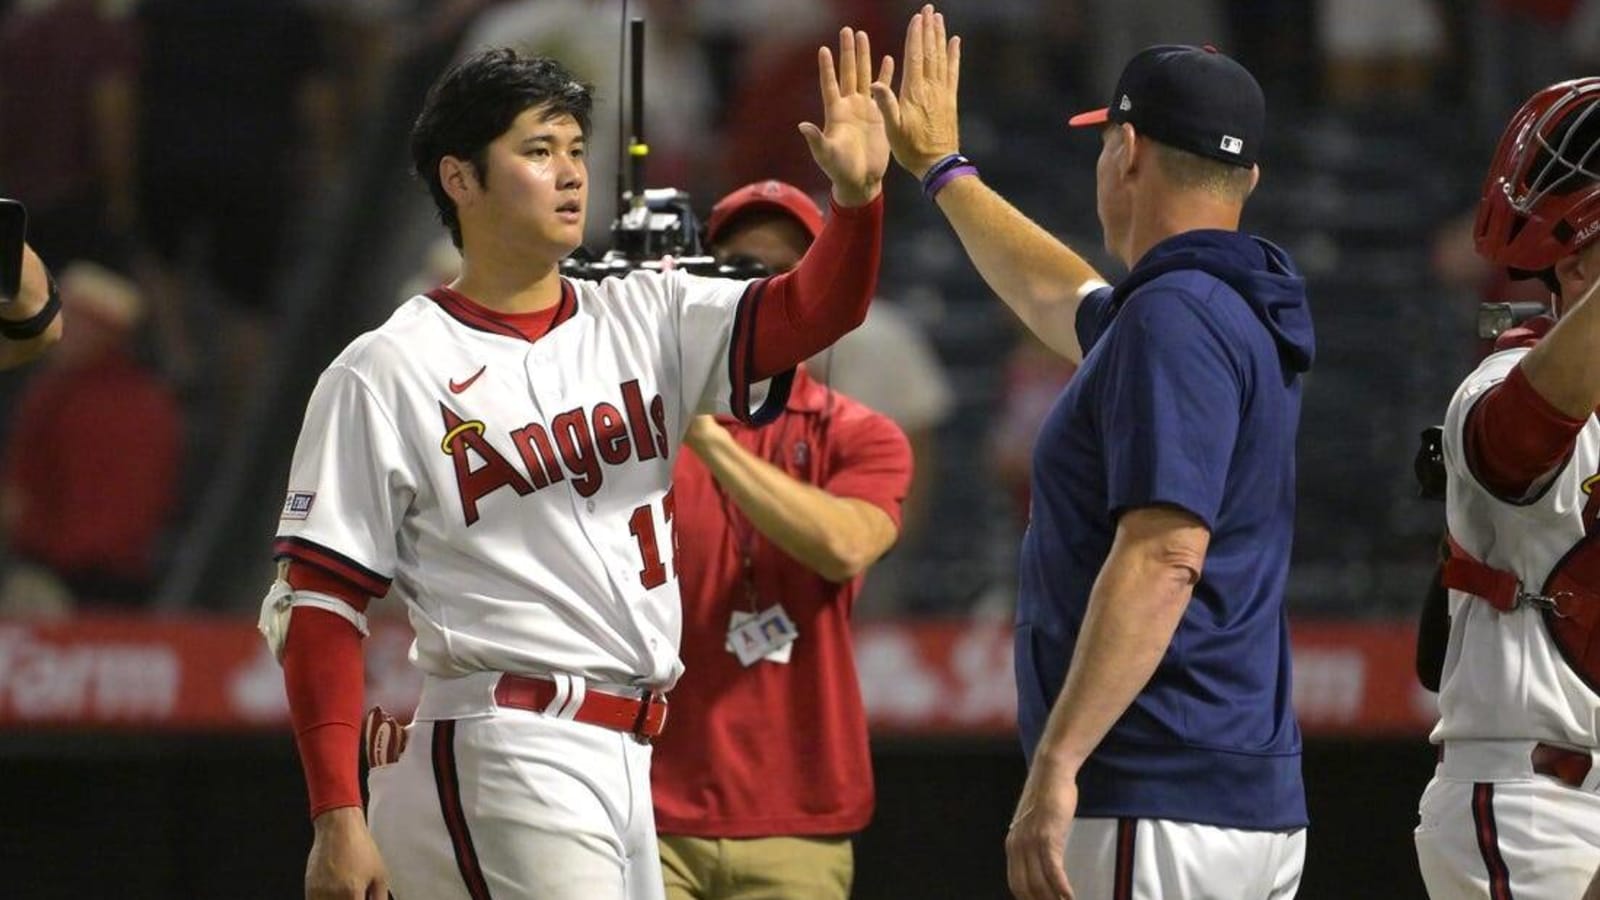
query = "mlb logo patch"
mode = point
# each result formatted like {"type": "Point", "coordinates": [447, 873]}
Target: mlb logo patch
{"type": "Point", "coordinates": [1231, 144]}
{"type": "Point", "coordinates": [298, 504]}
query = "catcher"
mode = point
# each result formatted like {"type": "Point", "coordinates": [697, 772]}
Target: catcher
{"type": "Point", "coordinates": [1512, 810]}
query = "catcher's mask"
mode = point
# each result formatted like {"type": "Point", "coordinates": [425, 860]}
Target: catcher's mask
{"type": "Point", "coordinates": [1541, 199]}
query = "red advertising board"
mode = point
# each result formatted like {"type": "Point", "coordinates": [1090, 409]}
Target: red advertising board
{"type": "Point", "coordinates": [946, 677]}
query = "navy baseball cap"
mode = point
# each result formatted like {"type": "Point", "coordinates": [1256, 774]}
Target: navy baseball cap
{"type": "Point", "coordinates": [1192, 98]}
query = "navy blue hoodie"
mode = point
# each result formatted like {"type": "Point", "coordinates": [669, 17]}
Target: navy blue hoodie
{"type": "Point", "coordinates": [1188, 396]}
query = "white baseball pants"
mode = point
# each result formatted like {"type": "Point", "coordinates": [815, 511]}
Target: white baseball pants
{"type": "Point", "coordinates": [515, 805]}
{"type": "Point", "coordinates": [1491, 829]}
{"type": "Point", "coordinates": [1156, 859]}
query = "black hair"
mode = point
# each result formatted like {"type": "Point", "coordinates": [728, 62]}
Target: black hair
{"type": "Point", "coordinates": [475, 101]}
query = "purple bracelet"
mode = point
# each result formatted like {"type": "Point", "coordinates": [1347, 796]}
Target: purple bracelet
{"type": "Point", "coordinates": [944, 163]}
{"type": "Point", "coordinates": [933, 187]}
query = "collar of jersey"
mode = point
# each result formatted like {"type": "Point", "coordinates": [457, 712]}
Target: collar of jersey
{"type": "Point", "coordinates": [463, 309]}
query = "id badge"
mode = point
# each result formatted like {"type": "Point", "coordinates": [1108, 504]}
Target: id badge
{"type": "Point", "coordinates": [769, 635]}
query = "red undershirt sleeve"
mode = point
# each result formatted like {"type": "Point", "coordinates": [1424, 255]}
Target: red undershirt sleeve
{"type": "Point", "coordinates": [819, 301]}
{"type": "Point", "coordinates": [324, 677]}
{"type": "Point", "coordinates": [1514, 438]}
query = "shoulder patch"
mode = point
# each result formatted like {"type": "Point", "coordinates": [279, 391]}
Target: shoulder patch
{"type": "Point", "coordinates": [298, 504]}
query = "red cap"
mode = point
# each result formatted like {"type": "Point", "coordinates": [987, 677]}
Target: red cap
{"type": "Point", "coordinates": [774, 195]}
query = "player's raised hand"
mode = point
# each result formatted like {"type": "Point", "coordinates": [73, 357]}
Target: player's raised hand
{"type": "Point", "coordinates": [344, 862]}
{"type": "Point", "coordinates": [850, 146]}
{"type": "Point", "coordinates": [921, 120]}
{"type": "Point", "coordinates": [1037, 840]}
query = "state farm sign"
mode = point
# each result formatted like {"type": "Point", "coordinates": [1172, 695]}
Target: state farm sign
{"type": "Point", "coordinates": [43, 679]}
{"type": "Point", "coordinates": [917, 678]}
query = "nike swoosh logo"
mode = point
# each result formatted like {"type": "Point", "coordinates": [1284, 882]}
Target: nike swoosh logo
{"type": "Point", "coordinates": [458, 387]}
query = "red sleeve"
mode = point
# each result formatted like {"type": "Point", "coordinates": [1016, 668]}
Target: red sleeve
{"type": "Point", "coordinates": [869, 459]}
{"type": "Point", "coordinates": [1514, 438]}
{"type": "Point", "coordinates": [819, 301]}
{"type": "Point", "coordinates": [324, 676]}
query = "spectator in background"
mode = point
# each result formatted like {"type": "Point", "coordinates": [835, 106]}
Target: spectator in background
{"type": "Point", "coordinates": [1034, 378]}
{"type": "Point", "coordinates": [777, 73]}
{"type": "Point", "coordinates": [1121, 28]}
{"type": "Point", "coordinates": [92, 458]}
{"type": "Point", "coordinates": [1379, 51]}
{"type": "Point", "coordinates": [67, 112]}
{"type": "Point", "coordinates": [441, 264]}
{"type": "Point", "coordinates": [1523, 45]}
{"type": "Point", "coordinates": [237, 122]}
{"type": "Point", "coordinates": [889, 365]}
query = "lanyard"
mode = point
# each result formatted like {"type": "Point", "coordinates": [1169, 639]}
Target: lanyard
{"type": "Point", "coordinates": [744, 531]}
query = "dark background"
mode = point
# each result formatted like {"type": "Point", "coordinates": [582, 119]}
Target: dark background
{"type": "Point", "coordinates": [211, 818]}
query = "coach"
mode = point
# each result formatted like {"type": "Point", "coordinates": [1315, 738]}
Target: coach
{"type": "Point", "coordinates": [1152, 652]}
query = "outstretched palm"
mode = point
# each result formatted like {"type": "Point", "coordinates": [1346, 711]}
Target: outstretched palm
{"type": "Point", "coordinates": [922, 124]}
{"type": "Point", "coordinates": [851, 146]}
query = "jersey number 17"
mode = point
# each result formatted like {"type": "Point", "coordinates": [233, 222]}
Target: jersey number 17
{"type": "Point", "coordinates": [642, 525]}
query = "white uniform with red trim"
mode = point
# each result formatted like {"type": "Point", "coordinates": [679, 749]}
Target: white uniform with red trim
{"type": "Point", "coordinates": [1490, 824]}
{"type": "Point", "coordinates": [516, 496]}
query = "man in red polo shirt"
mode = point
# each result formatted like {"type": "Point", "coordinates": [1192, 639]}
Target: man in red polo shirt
{"type": "Point", "coordinates": [765, 772]}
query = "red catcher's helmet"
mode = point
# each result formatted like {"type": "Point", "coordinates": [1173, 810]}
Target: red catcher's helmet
{"type": "Point", "coordinates": [1541, 200]}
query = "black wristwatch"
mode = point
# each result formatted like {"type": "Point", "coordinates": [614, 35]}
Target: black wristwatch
{"type": "Point", "coordinates": [34, 325]}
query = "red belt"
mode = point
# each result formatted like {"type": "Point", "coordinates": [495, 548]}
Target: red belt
{"type": "Point", "coordinates": [643, 717]}
{"type": "Point", "coordinates": [1568, 766]}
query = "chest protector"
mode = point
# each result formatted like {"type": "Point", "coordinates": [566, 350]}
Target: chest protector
{"type": "Point", "coordinates": [1568, 601]}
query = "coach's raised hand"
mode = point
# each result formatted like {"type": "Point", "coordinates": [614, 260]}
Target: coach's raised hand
{"type": "Point", "coordinates": [921, 120]}
{"type": "Point", "coordinates": [850, 146]}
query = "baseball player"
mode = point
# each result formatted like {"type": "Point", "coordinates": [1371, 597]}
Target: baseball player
{"type": "Point", "coordinates": [499, 454]}
{"type": "Point", "coordinates": [1512, 809]}
{"type": "Point", "coordinates": [766, 773]}
{"type": "Point", "coordinates": [1152, 651]}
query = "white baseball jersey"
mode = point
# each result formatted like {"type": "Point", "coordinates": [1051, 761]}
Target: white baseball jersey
{"type": "Point", "coordinates": [516, 494]}
{"type": "Point", "coordinates": [1504, 676]}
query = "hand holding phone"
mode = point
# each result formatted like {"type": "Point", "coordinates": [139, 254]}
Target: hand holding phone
{"type": "Point", "coordinates": [13, 231]}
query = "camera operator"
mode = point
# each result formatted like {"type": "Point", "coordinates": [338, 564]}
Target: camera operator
{"type": "Point", "coordinates": [787, 518]}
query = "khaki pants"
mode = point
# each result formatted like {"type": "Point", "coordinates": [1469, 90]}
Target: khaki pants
{"type": "Point", "coordinates": [775, 868]}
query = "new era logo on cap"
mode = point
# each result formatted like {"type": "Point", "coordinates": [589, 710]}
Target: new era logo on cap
{"type": "Point", "coordinates": [1231, 144]}
{"type": "Point", "coordinates": [1126, 104]}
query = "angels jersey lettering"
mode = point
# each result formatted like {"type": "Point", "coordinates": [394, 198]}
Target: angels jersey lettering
{"type": "Point", "coordinates": [516, 494]}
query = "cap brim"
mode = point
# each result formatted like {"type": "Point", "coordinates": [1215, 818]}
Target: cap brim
{"type": "Point", "coordinates": [1092, 117]}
